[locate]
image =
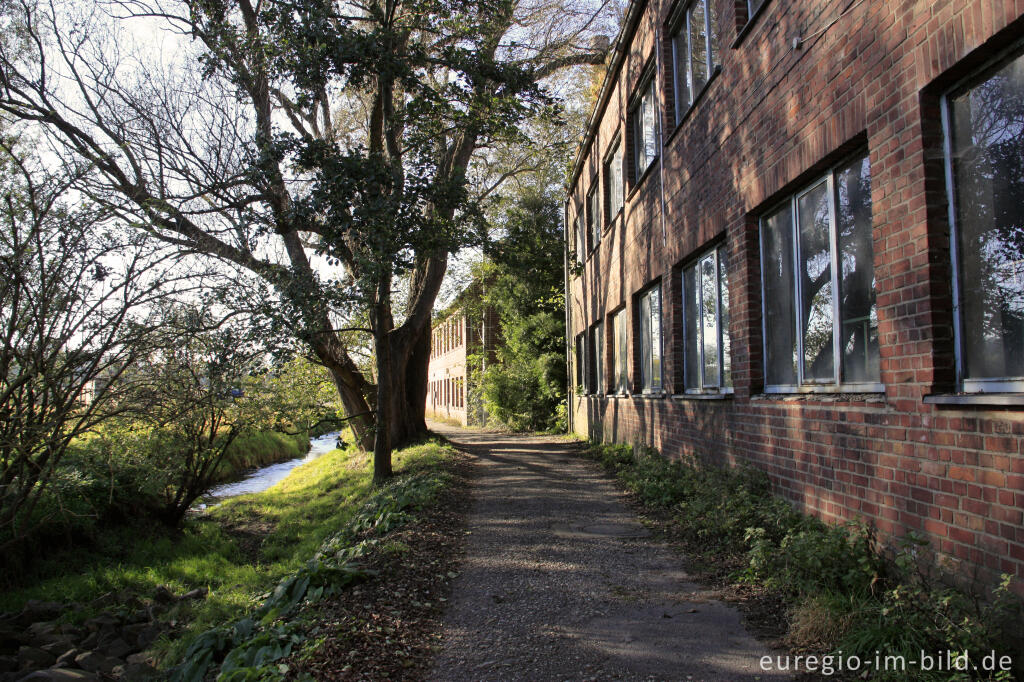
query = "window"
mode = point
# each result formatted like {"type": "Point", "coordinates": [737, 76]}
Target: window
{"type": "Point", "coordinates": [621, 377]}
{"type": "Point", "coordinates": [580, 361]}
{"type": "Point", "coordinates": [581, 236]}
{"type": "Point", "coordinates": [650, 340]}
{"type": "Point", "coordinates": [613, 182]}
{"type": "Point", "coordinates": [597, 358]}
{"type": "Point", "coordinates": [752, 8]}
{"type": "Point", "coordinates": [593, 217]}
{"type": "Point", "coordinates": [694, 52]}
{"type": "Point", "coordinates": [985, 178]}
{"type": "Point", "coordinates": [644, 122]}
{"type": "Point", "coordinates": [706, 349]}
{"type": "Point", "coordinates": [817, 268]}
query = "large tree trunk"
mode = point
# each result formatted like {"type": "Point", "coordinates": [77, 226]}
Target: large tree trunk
{"type": "Point", "coordinates": [357, 410]}
{"type": "Point", "coordinates": [416, 380]}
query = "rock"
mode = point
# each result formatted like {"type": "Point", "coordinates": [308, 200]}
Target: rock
{"type": "Point", "coordinates": [198, 593]}
{"type": "Point", "coordinates": [61, 675]}
{"type": "Point", "coordinates": [8, 664]}
{"type": "Point", "coordinates": [90, 641]}
{"type": "Point", "coordinates": [104, 621]}
{"type": "Point", "coordinates": [104, 600]}
{"type": "Point", "coordinates": [12, 637]}
{"type": "Point", "coordinates": [147, 636]}
{"type": "Point", "coordinates": [67, 659]}
{"type": "Point", "coordinates": [35, 611]}
{"type": "Point", "coordinates": [42, 630]}
{"type": "Point", "coordinates": [91, 661]}
{"type": "Point", "coordinates": [164, 595]}
{"type": "Point", "coordinates": [134, 671]}
{"type": "Point", "coordinates": [58, 644]}
{"type": "Point", "coordinates": [118, 648]}
{"type": "Point", "coordinates": [140, 657]}
{"type": "Point", "coordinates": [32, 658]}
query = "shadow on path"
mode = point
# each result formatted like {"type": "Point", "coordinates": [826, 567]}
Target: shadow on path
{"type": "Point", "coordinates": [560, 581]}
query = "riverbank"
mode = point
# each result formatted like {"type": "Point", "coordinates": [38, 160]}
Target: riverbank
{"type": "Point", "coordinates": [238, 551]}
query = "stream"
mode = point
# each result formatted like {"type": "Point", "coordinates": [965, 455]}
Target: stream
{"type": "Point", "coordinates": [263, 478]}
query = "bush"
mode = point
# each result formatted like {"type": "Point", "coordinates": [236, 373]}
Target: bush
{"type": "Point", "coordinates": [844, 593]}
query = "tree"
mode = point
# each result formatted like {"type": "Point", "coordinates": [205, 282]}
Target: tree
{"type": "Point", "coordinates": [333, 131]}
{"type": "Point", "coordinates": [74, 295]}
{"type": "Point", "coordinates": [525, 389]}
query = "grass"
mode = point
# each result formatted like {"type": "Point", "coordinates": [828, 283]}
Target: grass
{"type": "Point", "coordinates": [293, 518]}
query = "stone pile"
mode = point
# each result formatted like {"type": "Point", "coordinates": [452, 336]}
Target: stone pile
{"type": "Point", "coordinates": [35, 645]}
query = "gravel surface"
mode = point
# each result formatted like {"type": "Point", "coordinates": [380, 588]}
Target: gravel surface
{"type": "Point", "coordinates": [560, 581]}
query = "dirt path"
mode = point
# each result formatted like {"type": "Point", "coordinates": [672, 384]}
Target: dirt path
{"type": "Point", "coordinates": [561, 582]}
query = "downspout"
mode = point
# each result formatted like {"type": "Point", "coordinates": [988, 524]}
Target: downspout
{"type": "Point", "coordinates": [658, 70]}
{"type": "Point", "coordinates": [568, 329]}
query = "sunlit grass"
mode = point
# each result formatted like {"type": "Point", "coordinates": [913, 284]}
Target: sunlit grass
{"type": "Point", "coordinates": [295, 516]}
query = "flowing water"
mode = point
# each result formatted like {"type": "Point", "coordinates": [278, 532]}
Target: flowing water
{"type": "Point", "coordinates": [263, 478]}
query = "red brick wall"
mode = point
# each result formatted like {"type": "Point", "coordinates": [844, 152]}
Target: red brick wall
{"type": "Point", "coordinates": [773, 119]}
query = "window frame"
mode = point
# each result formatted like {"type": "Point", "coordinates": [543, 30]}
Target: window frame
{"type": "Point", "coordinates": [648, 84]}
{"type": "Point", "coordinates": [836, 383]}
{"type": "Point", "coordinates": [646, 339]}
{"type": "Point", "coordinates": [581, 362]}
{"type": "Point", "coordinates": [976, 78]}
{"type": "Point", "coordinates": [593, 212]}
{"type": "Point", "coordinates": [615, 156]}
{"type": "Point", "coordinates": [620, 353]}
{"type": "Point", "coordinates": [595, 351]}
{"type": "Point", "coordinates": [681, 21]}
{"type": "Point", "coordinates": [695, 263]}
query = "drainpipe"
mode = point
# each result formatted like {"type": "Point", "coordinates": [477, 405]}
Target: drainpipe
{"type": "Point", "coordinates": [568, 329]}
{"type": "Point", "coordinates": [659, 74]}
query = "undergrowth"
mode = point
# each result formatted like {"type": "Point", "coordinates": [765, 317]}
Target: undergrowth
{"type": "Point", "coordinates": [845, 594]}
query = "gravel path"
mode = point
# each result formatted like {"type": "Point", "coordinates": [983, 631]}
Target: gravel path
{"type": "Point", "coordinates": [560, 581]}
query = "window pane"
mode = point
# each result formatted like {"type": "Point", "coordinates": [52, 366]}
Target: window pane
{"type": "Point", "coordinates": [857, 311]}
{"type": "Point", "coordinates": [680, 51]}
{"type": "Point", "coordinates": [712, 35]}
{"type": "Point", "coordinates": [691, 315]}
{"type": "Point", "coordinates": [655, 343]}
{"type": "Point", "coordinates": [595, 217]}
{"type": "Point", "coordinates": [596, 363]}
{"type": "Point", "coordinates": [816, 283]}
{"type": "Point", "coordinates": [618, 191]}
{"type": "Point", "coordinates": [723, 317]}
{"type": "Point", "coordinates": [581, 231]}
{"type": "Point", "coordinates": [650, 126]}
{"type": "Point", "coordinates": [698, 47]}
{"type": "Point", "coordinates": [619, 330]}
{"type": "Point", "coordinates": [987, 124]}
{"type": "Point", "coordinates": [753, 6]}
{"type": "Point", "coordinates": [709, 320]}
{"type": "Point", "coordinates": [645, 343]}
{"type": "Point", "coordinates": [780, 316]}
{"type": "Point", "coordinates": [579, 361]}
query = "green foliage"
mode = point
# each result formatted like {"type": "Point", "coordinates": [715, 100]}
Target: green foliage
{"type": "Point", "coordinates": [246, 650]}
{"type": "Point", "coordinates": [525, 389]}
{"type": "Point", "coordinates": [835, 573]}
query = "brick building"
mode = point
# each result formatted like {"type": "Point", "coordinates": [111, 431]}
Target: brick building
{"type": "Point", "coordinates": [459, 333]}
{"type": "Point", "coordinates": [801, 230]}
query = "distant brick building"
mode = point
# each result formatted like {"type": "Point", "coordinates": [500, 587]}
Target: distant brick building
{"type": "Point", "coordinates": [801, 230]}
{"type": "Point", "coordinates": [461, 332]}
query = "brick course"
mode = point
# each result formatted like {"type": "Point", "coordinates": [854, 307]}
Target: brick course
{"type": "Point", "coordinates": [774, 119]}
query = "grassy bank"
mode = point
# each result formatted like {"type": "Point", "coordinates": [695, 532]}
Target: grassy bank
{"type": "Point", "coordinates": [842, 594]}
{"type": "Point", "coordinates": [239, 551]}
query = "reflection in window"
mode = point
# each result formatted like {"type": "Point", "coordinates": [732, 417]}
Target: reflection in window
{"type": "Point", "coordinates": [650, 340]}
{"type": "Point", "coordinates": [619, 351]}
{"type": "Point", "coordinates": [613, 181]}
{"type": "Point", "coordinates": [986, 157]}
{"type": "Point", "coordinates": [593, 217]}
{"type": "Point", "coordinates": [597, 358]}
{"type": "Point", "coordinates": [694, 52]}
{"type": "Point", "coordinates": [706, 348]}
{"type": "Point", "coordinates": [819, 284]}
{"type": "Point", "coordinates": [645, 130]}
